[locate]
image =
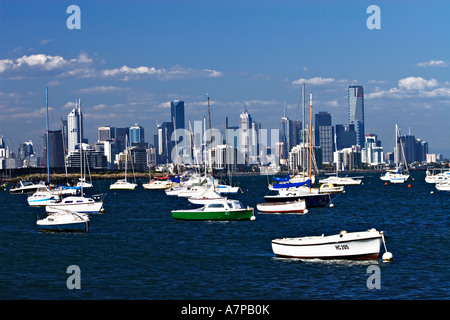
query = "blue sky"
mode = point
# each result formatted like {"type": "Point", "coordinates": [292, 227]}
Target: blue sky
{"type": "Point", "coordinates": [131, 58]}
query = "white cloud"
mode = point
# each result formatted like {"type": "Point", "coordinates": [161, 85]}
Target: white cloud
{"type": "Point", "coordinates": [413, 87]}
{"type": "Point", "coordinates": [433, 63]}
{"type": "Point", "coordinates": [416, 83]}
{"type": "Point", "coordinates": [102, 89]}
{"type": "Point", "coordinates": [316, 81]}
{"type": "Point", "coordinates": [175, 72]}
{"type": "Point", "coordinates": [43, 65]}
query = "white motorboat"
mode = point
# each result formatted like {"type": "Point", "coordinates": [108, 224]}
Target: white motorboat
{"type": "Point", "coordinates": [340, 180]}
{"type": "Point", "coordinates": [354, 245]}
{"type": "Point", "coordinates": [298, 206]}
{"type": "Point", "coordinates": [64, 220]}
{"type": "Point", "coordinates": [76, 204]}
{"type": "Point", "coordinates": [330, 188]}
{"type": "Point", "coordinates": [43, 197]}
{"type": "Point", "coordinates": [24, 186]}
{"type": "Point", "coordinates": [433, 177]}
{"type": "Point", "coordinates": [443, 186]}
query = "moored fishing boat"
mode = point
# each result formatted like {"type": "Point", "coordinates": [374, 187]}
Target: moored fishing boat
{"type": "Point", "coordinates": [222, 209]}
{"type": "Point", "coordinates": [354, 246]}
{"type": "Point", "coordinates": [298, 206]}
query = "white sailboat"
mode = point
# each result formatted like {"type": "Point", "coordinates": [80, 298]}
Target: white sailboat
{"type": "Point", "coordinates": [123, 183]}
{"type": "Point", "coordinates": [64, 220]}
{"type": "Point", "coordinates": [78, 204]}
{"type": "Point", "coordinates": [43, 195]}
{"type": "Point", "coordinates": [396, 175]}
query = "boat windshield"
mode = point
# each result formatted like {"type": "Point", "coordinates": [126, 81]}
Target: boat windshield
{"type": "Point", "coordinates": [238, 205]}
{"type": "Point", "coordinates": [215, 205]}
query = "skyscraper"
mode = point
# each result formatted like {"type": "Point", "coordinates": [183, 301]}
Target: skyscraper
{"type": "Point", "coordinates": [324, 133]}
{"type": "Point", "coordinates": [285, 137]}
{"type": "Point", "coordinates": [356, 111]}
{"type": "Point", "coordinates": [245, 125]}
{"type": "Point", "coordinates": [74, 126]}
{"type": "Point", "coordinates": [106, 133]}
{"type": "Point", "coordinates": [177, 114]}
{"type": "Point", "coordinates": [56, 149]}
{"type": "Point", "coordinates": [136, 134]}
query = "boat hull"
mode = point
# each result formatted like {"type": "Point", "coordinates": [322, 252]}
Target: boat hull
{"type": "Point", "coordinates": [352, 246]}
{"type": "Point", "coordinates": [122, 186]}
{"type": "Point", "coordinates": [245, 214]}
{"type": "Point", "coordinates": [95, 207]}
{"type": "Point", "coordinates": [282, 207]}
{"type": "Point", "coordinates": [66, 227]}
{"type": "Point", "coordinates": [311, 200]}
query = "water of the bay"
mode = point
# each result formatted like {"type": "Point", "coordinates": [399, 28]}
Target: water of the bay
{"type": "Point", "coordinates": [135, 250]}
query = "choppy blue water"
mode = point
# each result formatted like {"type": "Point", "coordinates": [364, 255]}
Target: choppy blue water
{"type": "Point", "coordinates": [135, 250]}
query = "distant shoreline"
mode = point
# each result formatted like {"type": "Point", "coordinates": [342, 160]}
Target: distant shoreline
{"type": "Point", "coordinates": [62, 177]}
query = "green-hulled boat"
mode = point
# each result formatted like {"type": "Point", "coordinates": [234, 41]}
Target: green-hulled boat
{"type": "Point", "coordinates": [221, 209]}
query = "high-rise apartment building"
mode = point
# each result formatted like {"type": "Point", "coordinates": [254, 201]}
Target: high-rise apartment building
{"type": "Point", "coordinates": [356, 111]}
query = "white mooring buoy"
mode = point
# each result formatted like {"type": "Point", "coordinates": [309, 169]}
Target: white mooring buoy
{"type": "Point", "coordinates": [387, 256]}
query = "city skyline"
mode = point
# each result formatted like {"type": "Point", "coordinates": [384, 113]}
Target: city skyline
{"type": "Point", "coordinates": [127, 64]}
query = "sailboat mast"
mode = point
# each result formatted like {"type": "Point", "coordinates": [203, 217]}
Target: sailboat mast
{"type": "Point", "coordinates": [210, 139]}
{"type": "Point", "coordinates": [303, 130]}
{"type": "Point", "coordinates": [310, 140]}
{"type": "Point", "coordinates": [48, 151]}
{"type": "Point", "coordinates": [81, 145]}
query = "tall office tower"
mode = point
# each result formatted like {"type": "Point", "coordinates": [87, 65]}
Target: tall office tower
{"type": "Point", "coordinates": [56, 149]}
{"type": "Point", "coordinates": [296, 131]}
{"type": "Point", "coordinates": [136, 134]}
{"type": "Point", "coordinates": [324, 134]}
{"type": "Point", "coordinates": [177, 114]}
{"type": "Point", "coordinates": [345, 136]}
{"type": "Point", "coordinates": [356, 111]}
{"type": "Point", "coordinates": [64, 134]}
{"type": "Point", "coordinates": [121, 134]}
{"type": "Point", "coordinates": [106, 133]}
{"type": "Point", "coordinates": [245, 125]}
{"type": "Point", "coordinates": [74, 127]}
{"type": "Point", "coordinates": [285, 137]}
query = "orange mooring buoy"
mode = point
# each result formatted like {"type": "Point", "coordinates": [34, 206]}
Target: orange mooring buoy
{"type": "Point", "coordinates": [385, 183]}
{"type": "Point", "coordinates": [409, 185]}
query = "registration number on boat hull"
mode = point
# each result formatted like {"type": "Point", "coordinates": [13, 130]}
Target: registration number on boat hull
{"type": "Point", "coordinates": [341, 247]}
